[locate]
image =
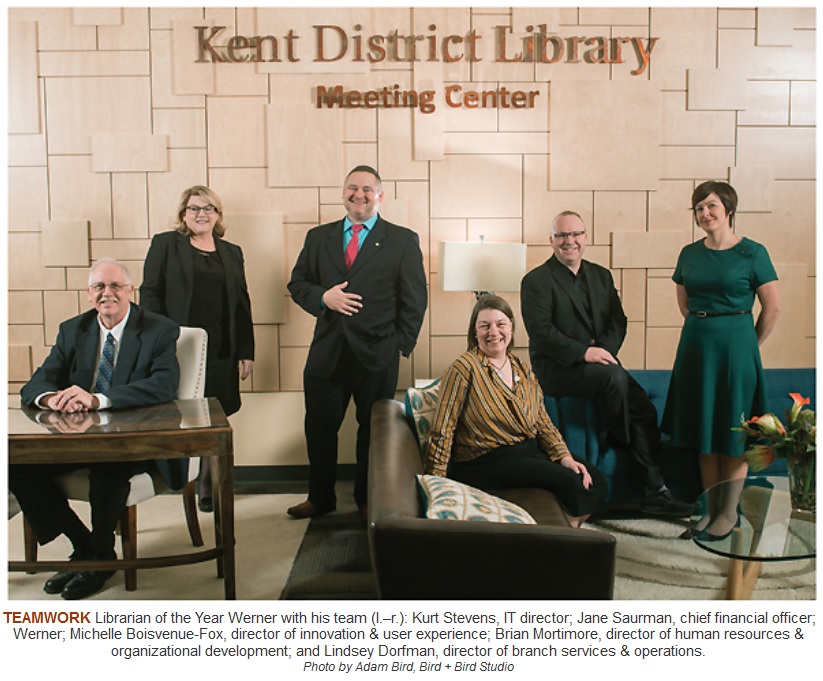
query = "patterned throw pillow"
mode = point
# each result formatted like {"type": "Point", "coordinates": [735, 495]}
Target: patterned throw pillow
{"type": "Point", "coordinates": [421, 404]}
{"type": "Point", "coordinates": [451, 500]}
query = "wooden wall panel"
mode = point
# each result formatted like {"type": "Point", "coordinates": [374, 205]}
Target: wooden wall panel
{"type": "Point", "coordinates": [130, 201]}
{"type": "Point", "coordinates": [65, 243]}
{"type": "Point", "coordinates": [647, 249]}
{"type": "Point", "coordinates": [803, 103]}
{"type": "Point", "coordinates": [130, 33]}
{"type": "Point", "coordinates": [716, 90]}
{"type": "Point", "coordinates": [97, 63]}
{"type": "Point", "coordinates": [587, 151]}
{"type": "Point", "coordinates": [262, 239]}
{"type": "Point", "coordinates": [25, 307]}
{"type": "Point", "coordinates": [737, 50]}
{"type": "Point", "coordinates": [477, 186]}
{"type": "Point", "coordinates": [78, 193]}
{"type": "Point", "coordinates": [82, 107]}
{"type": "Point", "coordinates": [728, 93]}
{"type": "Point", "coordinates": [129, 153]}
{"type": "Point", "coordinates": [617, 212]}
{"type": "Point", "coordinates": [97, 16]}
{"type": "Point", "coordinates": [28, 199]}
{"type": "Point", "coordinates": [226, 116]}
{"type": "Point", "coordinates": [266, 371]}
{"type": "Point", "coordinates": [767, 103]}
{"type": "Point", "coordinates": [681, 126]}
{"type": "Point", "coordinates": [688, 40]}
{"type": "Point", "coordinates": [786, 148]}
{"type": "Point", "coordinates": [23, 88]}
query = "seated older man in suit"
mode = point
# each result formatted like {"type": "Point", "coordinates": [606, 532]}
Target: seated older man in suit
{"type": "Point", "coordinates": [112, 357]}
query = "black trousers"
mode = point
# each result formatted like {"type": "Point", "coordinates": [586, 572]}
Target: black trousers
{"type": "Point", "coordinates": [49, 513]}
{"type": "Point", "coordinates": [526, 465]}
{"type": "Point", "coordinates": [630, 416]}
{"type": "Point", "coordinates": [326, 402]}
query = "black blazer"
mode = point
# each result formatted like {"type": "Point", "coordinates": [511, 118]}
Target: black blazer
{"type": "Point", "coordinates": [168, 275]}
{"type": "Point", "coordinates": [559, 333]}
{"type": "Point", "coordinates": [146, 371]}
{"type": "Point", "coordinates": [388, 272]}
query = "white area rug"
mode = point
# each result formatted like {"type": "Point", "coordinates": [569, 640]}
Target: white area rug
{"type": "Point", "coordinates": [654, 564]}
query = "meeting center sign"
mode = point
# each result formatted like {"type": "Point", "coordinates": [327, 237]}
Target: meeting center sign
{"type": "Point", "coordinates": [330, 44]}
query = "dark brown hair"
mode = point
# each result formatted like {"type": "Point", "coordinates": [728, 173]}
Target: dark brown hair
{"type": "Point", "coordinates": [488, 302]}
{"type": "Point", "coordinates": [724, 191]}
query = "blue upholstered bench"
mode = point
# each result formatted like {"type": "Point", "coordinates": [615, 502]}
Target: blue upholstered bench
{"type": "Point", "coordinates": [581, 426]}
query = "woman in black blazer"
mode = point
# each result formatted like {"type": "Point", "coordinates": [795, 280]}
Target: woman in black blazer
{"type": "Point", "coordinates": [195, 277]}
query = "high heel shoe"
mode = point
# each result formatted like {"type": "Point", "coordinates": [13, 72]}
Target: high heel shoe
{"type": "Point", "coordinates": [705, 535]}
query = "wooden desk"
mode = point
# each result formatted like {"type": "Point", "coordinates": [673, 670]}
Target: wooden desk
{"type": "Point", "coordinates": [183, 428]}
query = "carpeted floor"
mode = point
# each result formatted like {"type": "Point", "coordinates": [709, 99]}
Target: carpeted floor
{"type": "Point", "coordinates": [278, 558]}
{"type": "Point", "coordinates": [333, 562]}
{"type": "Point", "coordinates": [266, 544]}
{"type": "Point", "coordinates": [653, 564]}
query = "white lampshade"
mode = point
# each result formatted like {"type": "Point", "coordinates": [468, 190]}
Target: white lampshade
{"type": "Point", "coordinates": [480, 266]}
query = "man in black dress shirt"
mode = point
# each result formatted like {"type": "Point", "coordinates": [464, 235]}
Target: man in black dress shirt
{"type": "Point", "coordinates": [576, 326]}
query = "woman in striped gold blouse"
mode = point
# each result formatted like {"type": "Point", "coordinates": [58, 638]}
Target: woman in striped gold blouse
{"type": "Point", "coordinates": [491, 429]}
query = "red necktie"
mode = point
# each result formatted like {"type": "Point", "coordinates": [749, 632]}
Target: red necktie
{"type": "Point", "coordinates": [351, 249]}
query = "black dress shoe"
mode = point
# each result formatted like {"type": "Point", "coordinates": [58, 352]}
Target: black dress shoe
{"type": "Point", "coordinates": [309, 509]}
{"type": "Point", "coordinates": [206, 505]}
{"type": "Point", "coordinates": [85, 584]}
{"type": "Point", "coordinates": [666, 504]}
{"type": "Point", "coordinates": [56, 583]}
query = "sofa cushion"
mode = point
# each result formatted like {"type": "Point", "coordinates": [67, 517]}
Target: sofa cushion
{"type": "Point", "coordinates": [421, 404]}
{"type": "Point", "coordinates": [447, 499]}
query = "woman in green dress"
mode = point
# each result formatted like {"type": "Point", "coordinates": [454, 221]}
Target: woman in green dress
{"type": "Point", "coordinates": [718, 375]}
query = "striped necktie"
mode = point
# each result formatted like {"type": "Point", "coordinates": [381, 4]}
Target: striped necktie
{"type": "Point", "coordinates": [105, 370]}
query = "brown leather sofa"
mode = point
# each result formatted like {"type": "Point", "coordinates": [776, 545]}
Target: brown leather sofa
{"type": "Point", "coordinates": [414, 557]}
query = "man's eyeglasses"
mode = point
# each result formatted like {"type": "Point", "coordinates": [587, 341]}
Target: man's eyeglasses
{"type": "Point", "coordinates": [568, 235]}
{"type": "Point", "coordinates": [194, 210]}
{"type": "Point", "coordinates": [114, 287]}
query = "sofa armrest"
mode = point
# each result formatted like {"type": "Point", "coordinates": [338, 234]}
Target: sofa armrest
{"type": "Point", "coordinates": [423, 558]}
{"type": "Point", "coordinates": [394, 461]}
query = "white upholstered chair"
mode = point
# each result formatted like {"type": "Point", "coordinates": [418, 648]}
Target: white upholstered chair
{"type": "Point", "coordinates": [191, 356]}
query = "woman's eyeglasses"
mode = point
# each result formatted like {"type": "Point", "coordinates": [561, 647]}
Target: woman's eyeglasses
{"type": "Point", "coordinates": [194, 210]}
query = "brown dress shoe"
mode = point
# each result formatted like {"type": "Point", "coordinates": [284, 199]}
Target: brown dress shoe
{"type": "Point", "coordinates": [308, 509]}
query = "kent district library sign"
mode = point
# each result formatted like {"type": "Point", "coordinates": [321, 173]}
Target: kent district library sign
{"type": "Point", "coordinates": [329, 43]}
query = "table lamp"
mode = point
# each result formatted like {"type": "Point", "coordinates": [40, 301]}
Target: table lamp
{"type": "Point", "coordinates": [483, 267]}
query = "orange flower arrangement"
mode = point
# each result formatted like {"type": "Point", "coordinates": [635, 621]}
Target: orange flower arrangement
{"type": "Point", "coordinates": [795, 441]}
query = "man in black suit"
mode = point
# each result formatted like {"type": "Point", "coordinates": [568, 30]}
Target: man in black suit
{"type": "Point", "coordinates": [363, 278]}
{"type": "Point", "coordinates": [576, 326]}
{"type": "Point", "coordinates": [112, 357]}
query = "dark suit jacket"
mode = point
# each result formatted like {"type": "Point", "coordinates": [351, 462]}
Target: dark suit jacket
{"type": "Point", "coordinates": [146, 371]}
{"type": "Point", "coordinates": [388, 273]}
{"type": "Point", "coordinates": [168, 275]}
{"type": "Point", "coordinates": [558, 327]}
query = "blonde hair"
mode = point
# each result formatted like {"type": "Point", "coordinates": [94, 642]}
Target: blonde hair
{"type": "Point", "coordinates": [207, 195]}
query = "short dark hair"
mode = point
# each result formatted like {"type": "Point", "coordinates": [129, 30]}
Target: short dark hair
{"type": "Point", "coordinates": [365, 169]}
{"type": "Point", "coordinates": [488, 302]}
{"type": "Point", "coordinates": [724, 191]}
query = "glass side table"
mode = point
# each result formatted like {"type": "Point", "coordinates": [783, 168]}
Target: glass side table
{"type": "Point", "coordinates": [767, 528]}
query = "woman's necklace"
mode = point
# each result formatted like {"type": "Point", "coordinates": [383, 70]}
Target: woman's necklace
{"type": "Point", "coordinates": [501, 368]}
